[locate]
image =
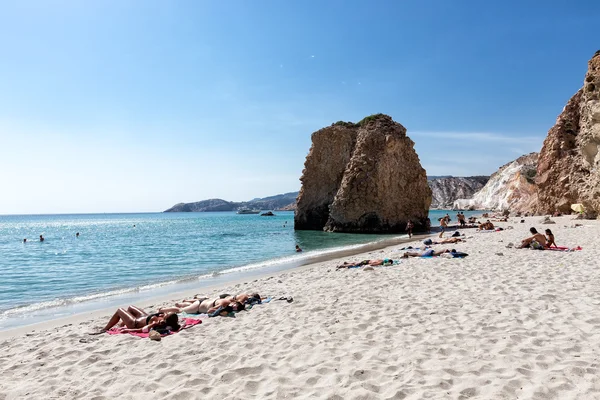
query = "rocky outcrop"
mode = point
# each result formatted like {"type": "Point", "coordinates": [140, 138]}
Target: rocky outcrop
{"type": "Point", "coordinates": [445, 190]}
{"type": "Point", "coordinates": [280, 201]}
{"type": "Point", "coordinates": [512, 188]}
{"type": "Point", "coordinates": [569, 167]}
{"type": "Point", "coordinates": [363, 177]}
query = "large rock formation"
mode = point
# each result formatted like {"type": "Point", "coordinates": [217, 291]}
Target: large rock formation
{"type": "Point", "coordinates": [512, 188]}
{"type": "Point", "coordinates": [445, 190]}
{"type": "Point", "coordinates": [363, 177]}
{"type": "Point", "coordinates": [568, 170]}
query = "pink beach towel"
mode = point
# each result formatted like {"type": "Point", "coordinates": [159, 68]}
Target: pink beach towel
{"type": "Point", "coordinates": [188, 323]}
{"type": "Point", "coordinates": [563, 248]}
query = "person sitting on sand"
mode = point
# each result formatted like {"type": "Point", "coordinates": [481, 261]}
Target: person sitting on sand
{"type": "Point", "coordinates": [206, 306]}
{"type": "Point", "coordinates": [550, 239]}
{"type": "Point", "coordinates": [534, 241]}
{"type": "Point", "coordinates": [426, 253]}
{"type": "Point", "coordinates": [372, 263]}
{"type": "Point", "coordinates": [138, 320]}
{"type": "Point", "coordinates": [486, 226]}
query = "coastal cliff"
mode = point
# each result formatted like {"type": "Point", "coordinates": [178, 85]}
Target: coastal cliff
{"type": "Point", "coordinates": [445, 190]}
{"type": "Point", "coordinates": [363, 177]}
{"type": "Point", "coordinates": [512, 188]}
{"type": "Point", "coordinates": [568, 170]}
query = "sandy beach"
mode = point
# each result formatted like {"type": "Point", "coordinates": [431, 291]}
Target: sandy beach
{"type": "Point", "coordinates": [501, 323]}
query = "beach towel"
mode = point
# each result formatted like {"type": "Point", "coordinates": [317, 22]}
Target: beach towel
{"type": "Point", "coordinates": [189, 322]}
{"type": "Point", "coordinates": [564, 248]}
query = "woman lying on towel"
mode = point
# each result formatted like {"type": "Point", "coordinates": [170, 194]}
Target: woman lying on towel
{"type": "Point", "coordinates": [434, 253]}
{"type": "Point", "coordinates": [426, 253]}
{"type": "Point", "coordinates": [372, 263]}
{"type": "Point", "coordinates": [244, 298]}
{"type": "Point", "coordinates": [449, 240]}
{"type": "Point", "coordinates": [138, 320]}
{"type": "Point", "coordinates": [206, 306]}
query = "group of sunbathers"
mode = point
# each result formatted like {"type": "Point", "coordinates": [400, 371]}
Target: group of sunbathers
{"type": "Point", "coordinates": [486, 226]}
{"type": "Point", "coordinates": [134, 319]}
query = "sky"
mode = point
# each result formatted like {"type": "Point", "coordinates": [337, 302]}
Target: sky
{"type": "Point", "coordinates": [133, 106]}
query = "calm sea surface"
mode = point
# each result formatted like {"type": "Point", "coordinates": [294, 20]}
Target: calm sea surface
{"type": "Point", "coordinates": [120, 254]}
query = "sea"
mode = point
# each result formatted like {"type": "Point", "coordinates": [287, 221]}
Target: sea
{"type": "Point", "coordinates": [125, 258]}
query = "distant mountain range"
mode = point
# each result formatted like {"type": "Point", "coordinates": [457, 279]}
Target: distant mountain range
{"type": "Point", "coordinates": [445, 189]}
{"type": "Point", "coordinates": [286, 201]}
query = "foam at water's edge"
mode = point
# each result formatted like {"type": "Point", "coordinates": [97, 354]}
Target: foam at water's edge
{"type": "Point", "coordinates": [294, 260]}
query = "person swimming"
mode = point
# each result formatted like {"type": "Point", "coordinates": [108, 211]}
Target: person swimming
{"type": "Point", "coordinates": [298, 249]}
{"type": "Point", "coordinates": [41, 238]}
{"type": "Point", "coordinates": [77, 234]}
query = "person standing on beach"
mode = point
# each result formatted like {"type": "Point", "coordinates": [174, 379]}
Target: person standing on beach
{"type": "Point", "coordinates": [409, 228]}
{"type": "Point", "coordinates": [443, 225]}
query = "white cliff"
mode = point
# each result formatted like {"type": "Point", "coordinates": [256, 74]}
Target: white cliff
{"type": "Point", "coordinates": [512, 188]}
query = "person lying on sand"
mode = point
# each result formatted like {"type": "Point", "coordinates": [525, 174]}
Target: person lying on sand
{"type": "Point", "coordinates": [205, 306]}
{"type": "Point", "coordinates": [536, 240]}
{"type": "Point", "coordinates": [244, 298]}
{"type": "Point", "coordinates": [426, 253]}
{"type": "Point", "coordinates": [138, 320]}
{"type": "Point", "coordinates": [550, 239]}
{"type": "Point", "coordinates": [449, 240]}
{"type": "Point", "coordinates": [373, 263]}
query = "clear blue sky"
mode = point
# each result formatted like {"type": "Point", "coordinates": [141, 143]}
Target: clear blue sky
{"type": "Point", "coordinates": [119, 106]}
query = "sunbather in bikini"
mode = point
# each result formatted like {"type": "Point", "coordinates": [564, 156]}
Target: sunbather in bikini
{"type": "Point", "coordinates": [137, 320]}
{"type": "Point", "coordinates": [373, 263]}
{"type": "Point", "coordinates": [206, 306]}
{"type": "Point", "coordinates": [550, 239]}
{"type": "Point", "coordinates": [449, 240]}
{"type": "Point", "coordinates": [426, 253]}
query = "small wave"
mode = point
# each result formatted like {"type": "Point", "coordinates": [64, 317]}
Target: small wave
{"type": "Point", "coordinates": [292, 259]}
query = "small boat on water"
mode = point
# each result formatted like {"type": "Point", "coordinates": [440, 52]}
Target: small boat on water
{"type": "Point", "coordinates": [267, 214]}
{"type": "Point", "coordinates": [247, 211]}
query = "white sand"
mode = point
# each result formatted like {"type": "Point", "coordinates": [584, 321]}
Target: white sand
{"type": "Point", "coordinates": [525, 324]}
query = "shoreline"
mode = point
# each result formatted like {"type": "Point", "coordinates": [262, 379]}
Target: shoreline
{"type": "Point", "coordinates": [170, 292]}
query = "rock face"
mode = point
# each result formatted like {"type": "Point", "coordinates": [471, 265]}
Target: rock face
{"type": "Point", "coordinates": [568, 170]}
{"type": "Point", "coordinates": [512, 188]}
{"type": "Point", "coordinates": [280, 201]}
{"type": "Point", "coordinates": [445, 190]}
{"type": "Point", "coordinates": [363, 177]}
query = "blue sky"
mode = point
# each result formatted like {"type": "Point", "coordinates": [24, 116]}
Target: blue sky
{"type": "Point", "coordinates": [124, 106]}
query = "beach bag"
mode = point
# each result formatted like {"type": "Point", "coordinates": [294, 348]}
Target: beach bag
{"type": "Point", "coordinates": [428, 242]}
{"type": "Point", "coordinates": [455, 234]}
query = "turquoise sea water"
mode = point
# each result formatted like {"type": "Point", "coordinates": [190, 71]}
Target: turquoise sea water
{"type": "Point", "coordinates": [117, 254]}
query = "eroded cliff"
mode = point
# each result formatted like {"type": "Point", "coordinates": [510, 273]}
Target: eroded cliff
{"type": "Point", "coordinates": [445, 190]}
{"type": "Point", "coordinates": [363, 177]}
{"type": "Point", "coordinates": [568, 170]}
{"type": "Point", "coordinates": [512, 188]}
